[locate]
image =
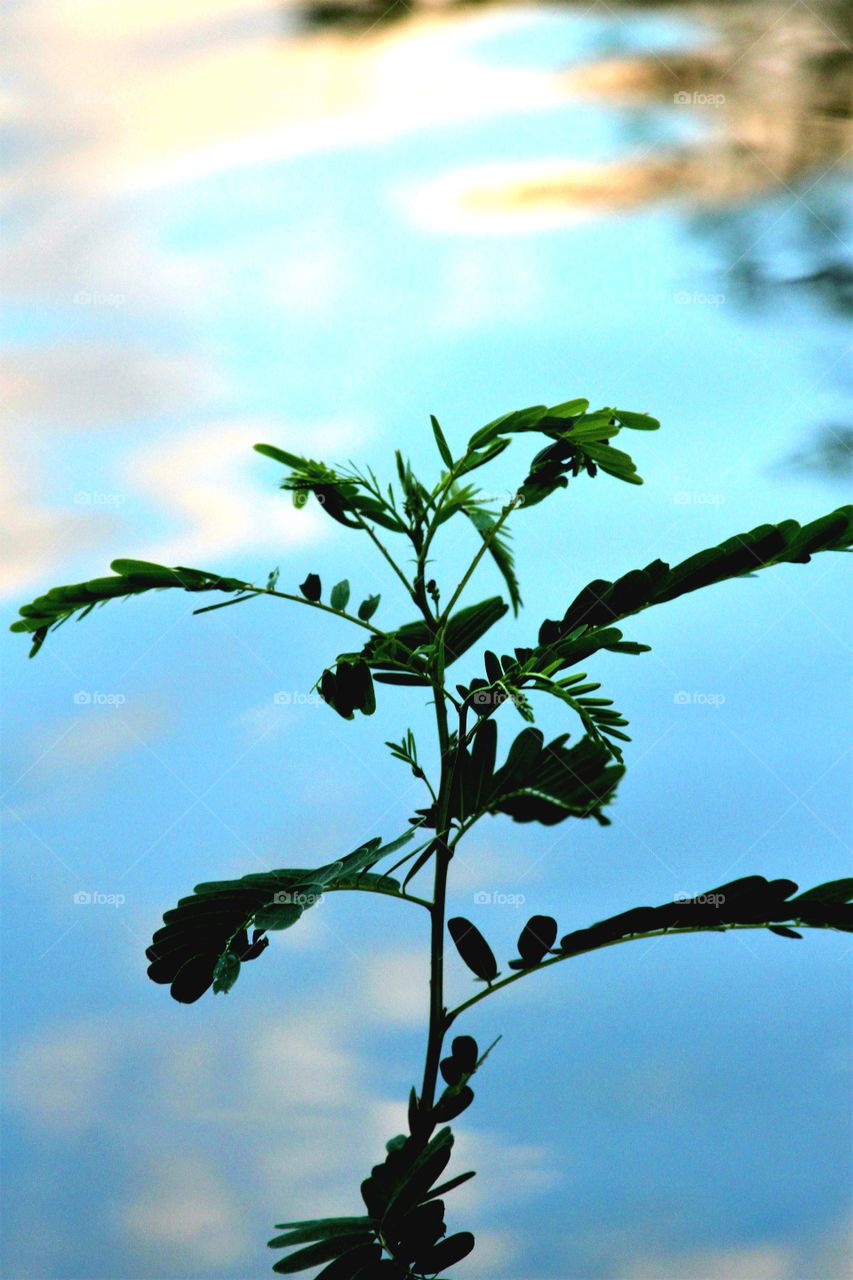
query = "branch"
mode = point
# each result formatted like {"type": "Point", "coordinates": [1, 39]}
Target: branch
{"type": "Point", "coordinates": [615, 942]}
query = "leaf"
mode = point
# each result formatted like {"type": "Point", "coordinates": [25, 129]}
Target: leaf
{"type": "Point", "coordinates": [557, 783]}
{"type": "Point", "coordinates": [451, 1250]}
{"type": "Point", "coordinates": [323, 1251]}
{"type": "Point", "coordinates": [484, 522]}
{"type": "Point", "coordinates": [602, 602]}
{"type": "Point", "coordinates": [358, 1264]}
{"type": "Point", "coordinates": [339, 598]}
{"type": "Point", "coordinates": [464, 1050]}
{"type": "Point", "coordinates": [311, 588]}
{"type": "Point", "coordinates": [368, 607]}
{"type": "Point", "coordinates": [132, 577]}
{"type": "Point", "coordinates": [535, 941]}
{"type": "Point", "coordinates": [832, 891]}
{"type": "Point", "coordinates": [226, 972]}
{"type": "Point", "coordinates": [473, 948]}
{"type": "Point", "coordinates": [191, 950]}
{"type": "Point", "coordinates": [637, 421]}
{"type": "Point", "coordinates": [349, 688]}
{"type": "Point", "coordinates": [452, 1184]}
{"type": "Point", "coordinates": [751, 900]}
{"type": "Point", "coordinates": [346, 498]}
{"type": "Point", "coordinates": [318, 1229]}
{"type": "Point", "coordinates": [443, 447]}
{"type": "Point", "coordinates": [464, 629]}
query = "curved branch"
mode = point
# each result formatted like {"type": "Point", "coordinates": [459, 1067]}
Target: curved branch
{"type": "Point", "coordinates": [614, 942]}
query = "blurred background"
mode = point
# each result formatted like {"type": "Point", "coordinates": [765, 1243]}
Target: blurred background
{"type": "Point", "coordinates": [314, 225]}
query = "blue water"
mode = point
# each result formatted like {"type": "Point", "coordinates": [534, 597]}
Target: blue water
{"type": "Point", "coordinates": [681, 1099]}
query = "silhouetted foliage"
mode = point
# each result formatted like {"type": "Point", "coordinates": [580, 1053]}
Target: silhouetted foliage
{"type": "Point", "coordinates": [208, 936]}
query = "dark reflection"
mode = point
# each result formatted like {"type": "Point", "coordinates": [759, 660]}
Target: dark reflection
{"type": "Point", "coordinates": [771, 88]}
{"type": "Point", "coordinates": [352, 15]}
{"type": "Point", "coordinates": [755, 243]}
{"type": "Point", "coordinates": [829, 453]}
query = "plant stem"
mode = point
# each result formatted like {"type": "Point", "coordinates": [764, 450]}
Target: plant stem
{"type": "Point", "coordinates": [317, 604]}
{"type": "Point", "coordinates": [380, 546]}
{"type": "Point", "coordinates": [487, 541]}
{"type": "Point", "coordinates": [442, 861]}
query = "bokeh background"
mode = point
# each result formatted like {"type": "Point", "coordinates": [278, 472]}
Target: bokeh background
{"type": "Point", "coordinates": [234, 220]}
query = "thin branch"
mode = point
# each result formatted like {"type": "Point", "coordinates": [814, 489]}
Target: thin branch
{"type": "Point", "coordinates": [312, 604]}
{"type": "Point", "coordinates": [488, 539]}
{"type": "Point", "coordinates": [634, 937]}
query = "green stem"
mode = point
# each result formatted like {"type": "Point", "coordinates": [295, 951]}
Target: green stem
{"type": "Point", "coordinates": [380, 546]}
{"type": "Point", "coordinates": [326, 608]}
{"type": "Point", "coordinates": [634, 937]}
{"type": "Point", "coordinates": [487, 541]}
{"type": "Point", "coordinates": [386, 893]}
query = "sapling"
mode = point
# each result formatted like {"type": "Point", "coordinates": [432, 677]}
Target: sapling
{"type": "Point", "coordinates": [208, 936]}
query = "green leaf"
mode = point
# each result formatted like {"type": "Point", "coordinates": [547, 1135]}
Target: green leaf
{"type": "Point", "coordinates": [556, 782]}
{"type": "Point", "coordinates": [464, 629]}
{"type": "Point", "coordinates": [474, 460]}
{"type": "Point", "coordinates": [278, 916]}
{"type": "Point", "coordinates": [443, 447]}
{"type": "Point", "coordinates": [368, 607]}
{"type": "Point", "coordinates": [346, 497]}
{"type": "Point", "coordinates": [602, 602]}
{"type": "Point", "coordinates": [318, 1229]}
{"type": "Point", "coordinates": [637, 421]}
{"type": "Point", "coordinates": [508, 424]}
{"type": "Point", "coordinates": [133, 577]}
{"type": "Point", "coordinates": [280, 455]}
{"type": "Point", "coordinates": [484, 522]}
{"type": "Point", "coordinates": [191, 950]}
{"type": "Point", "coordinates": [339, 598]}
{"type": "Point", "coordinates": [226, 972]}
